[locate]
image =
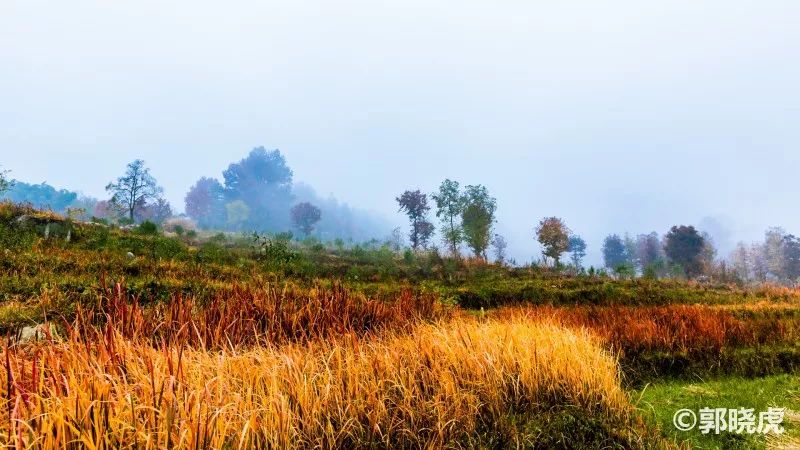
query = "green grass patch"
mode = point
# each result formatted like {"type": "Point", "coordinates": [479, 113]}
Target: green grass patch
{"type": "Point", "coordinates": [659, 402]}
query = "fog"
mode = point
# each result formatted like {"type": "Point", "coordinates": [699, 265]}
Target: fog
{"type": "Point", "coordinates": [616, 116]}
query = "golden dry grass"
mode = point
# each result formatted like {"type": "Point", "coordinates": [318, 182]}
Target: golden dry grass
{"type": "Point", "coordinates": [438, 385]}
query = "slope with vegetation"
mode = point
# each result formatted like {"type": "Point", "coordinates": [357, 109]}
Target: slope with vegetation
{"type": "Point", "coordinates": [156, 339]}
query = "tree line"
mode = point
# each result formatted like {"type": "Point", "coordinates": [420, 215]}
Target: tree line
{"type": "Point", "coordinates": [257, 193]}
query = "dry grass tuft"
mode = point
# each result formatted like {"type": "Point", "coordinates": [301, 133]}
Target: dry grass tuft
{"type": "Point", "coordinates": [436, 385]}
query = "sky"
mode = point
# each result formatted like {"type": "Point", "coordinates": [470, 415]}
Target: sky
{"type": "Point", "coordinates": [616, 116]}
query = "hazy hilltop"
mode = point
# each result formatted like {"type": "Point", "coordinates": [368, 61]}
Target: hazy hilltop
{"type": "Point", "coordinates": [625, 116]}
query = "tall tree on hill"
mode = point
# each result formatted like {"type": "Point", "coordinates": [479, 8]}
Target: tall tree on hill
{"type": "Point", "coordinates": [263, 181]}
{"type": "Point", "coordinates": [305, 216]}
{"type": "Point", "coordinates": [614, 252]}
{"type": "Point", "coordinates": [205, 203]}
{"type": "Point", "coordinates": [553, 235]}
{"type": "Point", "coordinates": [449, 207]}
{"type": "Point", "coordinates": [577, 249]}
{"type": "Point", "coordinates": [415, 205]}
{"type": "Point", "coordinates": [133, 188]}
{"type": "Point", "coordinates": [684, 246]}
{"type": "Point", "coordinates": [477, 218]}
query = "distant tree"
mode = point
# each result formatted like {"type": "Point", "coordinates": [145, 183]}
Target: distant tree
{"type": "Point", "coordinates": [577, 249]}
{"type": "Point", "coordinates": [134, 187]}
{"type": "Point", "coordinates": [614, 252]}
{"type": "Point", "coordinates": [758, 263]}
{"type": "Point", "coordinates": [740, 261]}
{"type": "Point", "coordinates": [774, 252]}
{"type": "Point", "coordinates": [684, 246]}
{"type": "Point", "coordinates": [396, 241]}
{"type": "Point", "coordinates": [477, 218]}
{"type": "Point", "coordinates": [499, 245]}
{"type": "Point", "coordinates": [42, 196]}
{"type": "Point", "coordinates": [648, 250]}
{"type": "Point", "coordinates": [708, 255]}
{"type": "Point", "coordinates": [791, 252]}
{"type": "Point", "coordinates": [263, 181]}
{"type": "Point", "coordinates": [305, 216]}
{"type": "Point", "coordinates": [4, 182]}
{"type": "Point", "coordinates": [449, 208]}
{"type": "Point", "coordinates": [205, 203]}
{"type": "Point", "coordinates": [237, 213]}
{"type": "Point", "coordinates": [553, 235]}
{"type": "Point", "coordinates": [415, 205]}
{"type": "Point", "coordinates": [103, 209]}
{"type": "Point", "coordinates": [156, 212]}
{"type": "Point", "coordinates": [630, 251]}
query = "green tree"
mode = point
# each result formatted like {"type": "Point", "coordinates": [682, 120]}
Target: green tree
{"type": "Point", "coordinates": [237, 213]}
{"type": "Point", "coordinates": [263, 180]}
{"type": "Point", "coordinates": [684, 246]}
{"type": "Point", "coordinates": [577, 249]}
{"type": "Point", "coordinates": [449, 208]}
{"type": "Point", "coordinates": [135, 187]}
{"type": "Point", "coordinates": [415, 205]}
{"type": "Point", "coordinates": [477, 218]}
{"type": "Point", "coordinates": [553, 235]}
{"type": "Point", "coordinates": [614, 252]}
{"type": "Point", "coordinates": [42, 196]}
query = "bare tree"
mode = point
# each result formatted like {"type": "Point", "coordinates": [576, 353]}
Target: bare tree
{"type": "Point", "coordinates": [134, 188]}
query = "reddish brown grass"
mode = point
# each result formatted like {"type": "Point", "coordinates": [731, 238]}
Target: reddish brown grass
{"type": "Point", "coordinates": [668, 328]}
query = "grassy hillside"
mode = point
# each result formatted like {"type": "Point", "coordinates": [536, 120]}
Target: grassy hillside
{"type": "Point", "coordinates": [216, 340]}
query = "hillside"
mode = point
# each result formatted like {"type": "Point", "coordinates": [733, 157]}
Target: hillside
{"type": "Point", "coordinates": [408, 349]}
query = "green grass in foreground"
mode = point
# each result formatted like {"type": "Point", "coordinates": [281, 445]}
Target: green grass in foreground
{"type": "Point", "coordinates": [659, 402]}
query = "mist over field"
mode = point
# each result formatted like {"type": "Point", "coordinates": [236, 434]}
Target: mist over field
{"type": "Point", "coordinates": [625, 116]}
{"type": "Point", "coordinates": [378, 224]}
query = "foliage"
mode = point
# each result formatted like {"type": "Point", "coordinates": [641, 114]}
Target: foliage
{"type": "Point", "coordinates": [237, 213]}
{"type": "Point", "coordinates": [683, 245]}
{"type": "Point", "coordinates": [478, 218]}
{"type": "Point", "coordinates": [415, 205]}
{"type": "Point", "coordinates": [263, 182]}
{"type": "Point", "coordinates": [450, 205]}
{"type": "Point", "coordinates": [614, 252]}
{"type": "Point", "coordinates": [305, 216]}
{"type": "Point", "coordinates": [553, 234]}
{"type": "Point", "coordinates": [205, 203]}
{"type": "Point", "coordinates": [577, 249]}
{"type": "Point", "coordinates": [275, 250]}
{"type": "Point", "coordinates": [157, 211]}
{"type": "Point", "coordinates": [41, 196]}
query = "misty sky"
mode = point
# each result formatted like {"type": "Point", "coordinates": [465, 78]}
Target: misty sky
{"type": "Point", "coordinates": [616, 115]}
